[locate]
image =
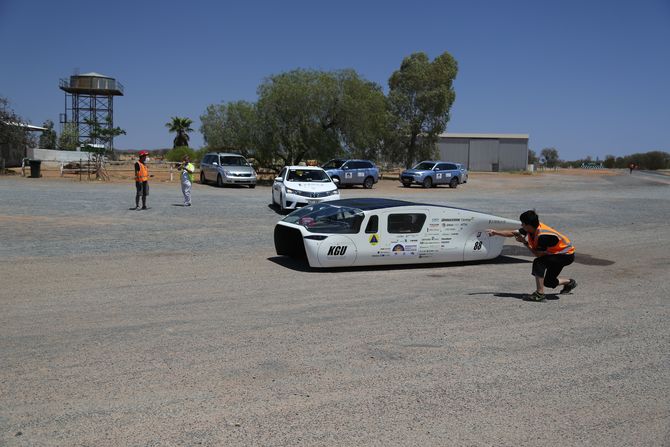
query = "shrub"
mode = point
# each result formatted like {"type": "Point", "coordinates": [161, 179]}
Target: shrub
{"type": "Point", "coordinates": [177, 154]}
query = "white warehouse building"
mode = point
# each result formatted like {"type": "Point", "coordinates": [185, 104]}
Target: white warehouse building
{"type": "Point", "coordinates": [485, 152]}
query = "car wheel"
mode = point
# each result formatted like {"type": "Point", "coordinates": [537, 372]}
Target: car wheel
{"type": "Point", "coordinates": [453, 183]}
{"type": "Point", "coordinates": [219, 181]}
{"type": "Point", "coordinates": [427, 182]}
{"type": "Point", "coordinates": [203, 180]}
{"type": "Point", "coordinates": [406, 184]}
{"type": "Point", "coordinates": [368, 182]}
{"type": "Point", "coordinates": [252, 186]}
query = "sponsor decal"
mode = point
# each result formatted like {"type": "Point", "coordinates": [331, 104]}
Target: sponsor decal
{"type": "Point", "coordinates": [439, 176]}
{"type": "Point", "coordinates": [404, 250]}
{"type": "Point", "coordinates": [337, 250]}
{"type": "Point", "coordinates": [374, 239]}
{"type": "Point", "coordinates": [361, 174]}
{"type": "Point", "coordinates": [348, 175]}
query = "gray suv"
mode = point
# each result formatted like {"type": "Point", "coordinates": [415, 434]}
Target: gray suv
{"type": "Point", "coordinates": [227, 169]}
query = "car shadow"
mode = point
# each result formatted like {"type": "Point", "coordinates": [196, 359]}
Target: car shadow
{"type": "Point", "coordinates": [301, 265]}
{"type": "Point", "coordinates": [274, 207]}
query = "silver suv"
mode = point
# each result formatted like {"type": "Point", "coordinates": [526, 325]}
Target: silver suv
{"type": "Point", "coordinates": [227, 169]}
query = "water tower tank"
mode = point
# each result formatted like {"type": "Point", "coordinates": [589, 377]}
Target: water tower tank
{"type": "Point", "coordinates": [92, 84]}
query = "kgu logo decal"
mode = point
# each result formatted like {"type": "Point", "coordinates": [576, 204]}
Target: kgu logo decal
{"type": "Point", "coordinates": [337, 250]}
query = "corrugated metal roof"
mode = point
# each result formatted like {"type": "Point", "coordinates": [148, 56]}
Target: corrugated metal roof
{"type": "Point", "coordinates": [25, 126]}
{"type": "Point", "coordinates": [500, 136]}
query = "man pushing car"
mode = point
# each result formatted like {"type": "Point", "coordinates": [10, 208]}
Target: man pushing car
{"type": "Point", "coordinates": [552, 251]}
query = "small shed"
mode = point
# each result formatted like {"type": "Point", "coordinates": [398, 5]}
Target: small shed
{"type": "Point", "coordinates": [485, 152]}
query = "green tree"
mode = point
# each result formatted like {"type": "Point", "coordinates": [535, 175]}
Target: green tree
{"type": "Point", "coordinates": [550, 155]}
{"type": "Point", "coordinates": [181, 126]}
{"type": "Point", "coordinates": [610, 161]}
{"type": "Point", "coordinates": [231, 126]}
{"type": "Point", "coordinates": [69, 137]}
{"type": "Point", "coordinates": [105, 133]}
{"type": "Point", "coordinates": [177, 154]}
{"type": "Point", "coordinates": [420, 97]}
{"type": "Point", "coordinates": [296, 111]}
{"type": "Point", "coordinates": [314, 114]}
{"type": "Point", "coordinates": [532, 157]}
{"type": "Point", "coordinates": [360, 116]}
{"type": "Point", "coordinates": [12, 135]}
{"type": "Point", "coordinates": [48, 137]}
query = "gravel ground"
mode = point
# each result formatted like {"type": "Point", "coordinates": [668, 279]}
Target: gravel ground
{"type": "Point", "coordinates": [179, 326]}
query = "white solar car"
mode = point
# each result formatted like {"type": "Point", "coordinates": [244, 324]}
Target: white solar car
{"type": "Point", "coordinates": [369, 231]}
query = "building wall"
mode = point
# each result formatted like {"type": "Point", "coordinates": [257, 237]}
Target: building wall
{"type": "Point", "coordinates": [56, 155]}
{"type": "Point", "coordinates": [485, 153]}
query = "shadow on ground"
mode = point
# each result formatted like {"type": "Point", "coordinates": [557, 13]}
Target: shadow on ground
{"type": "Point", "coordinates": [517, 296]}
{"type": "Point", "coordinates": [301, 265]}
{"type": "Point", "coordinates": [580, 258]}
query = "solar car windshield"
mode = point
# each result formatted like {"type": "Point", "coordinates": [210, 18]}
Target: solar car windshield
{"type": "Point", "coordinates": [307, 175]}
{"type": "Point", "coordinates": [325, 218]}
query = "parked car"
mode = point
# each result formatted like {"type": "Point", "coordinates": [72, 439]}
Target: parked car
{"type": "Point", "coordinates": [297, 186]}
{"type": "Point", "coordinates": [352, 172]}
{"type": "Point", "coordinates": [432, 173]}
{"type": "Point", "coordinates": [227, 169]}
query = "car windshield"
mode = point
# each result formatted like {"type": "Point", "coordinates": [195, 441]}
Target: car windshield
{"type": "Point", "coordinates": [307, 175]}
{"type": "Point", "coordinates": [424, 166]}
{"type": "Point", "coordinates": [233, 161]}
{"type": "Point", "coordinates": [326, 218]}
{"type": "Point", "coordinates": [333, 164]}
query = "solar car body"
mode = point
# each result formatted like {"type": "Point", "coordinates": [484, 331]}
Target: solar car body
{"type": "Point", "coordinates": [361, 232]}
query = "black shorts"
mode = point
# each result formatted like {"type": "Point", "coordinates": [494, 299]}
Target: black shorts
{"type": "Point", "coordinates": [142, 188]}
{"type": "Point", "coordinates": [550, 266]}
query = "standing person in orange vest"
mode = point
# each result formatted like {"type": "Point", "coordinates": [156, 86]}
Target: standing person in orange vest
{"type": "Point", "coordinates": [141, 181]}
{"type": "Point", "coordinates": [552, 251]}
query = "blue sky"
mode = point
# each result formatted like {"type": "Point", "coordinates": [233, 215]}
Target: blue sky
{"type": "Point", "coordinates": [586, 77]}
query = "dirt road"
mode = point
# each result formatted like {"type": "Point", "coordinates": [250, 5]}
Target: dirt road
{"type": "Point", "coordinates": [180, 326]}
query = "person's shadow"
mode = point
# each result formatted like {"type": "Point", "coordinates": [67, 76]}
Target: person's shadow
{"type": "Point", "coordinates": [518, 296]}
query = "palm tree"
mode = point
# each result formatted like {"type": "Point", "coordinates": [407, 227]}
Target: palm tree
{"type": "Point", "coordinates": [181, 126]}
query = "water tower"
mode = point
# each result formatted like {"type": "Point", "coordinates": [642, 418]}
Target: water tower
{"type": "Point", "coordinates": [90, 97]}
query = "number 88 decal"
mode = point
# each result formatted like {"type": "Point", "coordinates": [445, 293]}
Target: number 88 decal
{"type": "Point", "coordinates": [478, 245]}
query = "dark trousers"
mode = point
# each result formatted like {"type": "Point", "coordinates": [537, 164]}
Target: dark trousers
{"type": "Point", "coordinates": [550, 266]}
{"type": "Point", "coordinates": [142, 191]}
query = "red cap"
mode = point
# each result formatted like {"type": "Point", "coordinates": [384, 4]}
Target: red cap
{"type": "Point", "coordinates": [144, 153]}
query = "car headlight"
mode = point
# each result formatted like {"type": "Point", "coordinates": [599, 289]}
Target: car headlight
{"type": "Point", "coordinates": [333, 192]}
{"type": "Point", "coordinates": [226, 173]}
{"type": "Point", "coordinates": [290, 191]}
